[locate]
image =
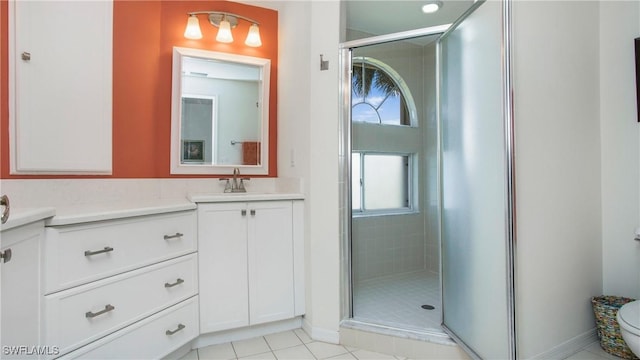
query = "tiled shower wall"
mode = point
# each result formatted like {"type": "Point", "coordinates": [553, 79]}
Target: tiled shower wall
{"type": "Point", "coordinates": [388, 245]}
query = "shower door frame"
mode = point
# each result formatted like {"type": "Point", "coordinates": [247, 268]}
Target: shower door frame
{"type": "Point", "coordinates": [345, 128]}
{"type": "Point", "coordinates": [345, 132]}
{"type": "Point", "coordinates": [510, 229]}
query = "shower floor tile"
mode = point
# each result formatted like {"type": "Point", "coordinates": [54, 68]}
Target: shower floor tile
{"type": "Point", "coordinates": [396, 301]}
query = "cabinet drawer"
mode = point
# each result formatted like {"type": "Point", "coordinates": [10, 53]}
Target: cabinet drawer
{"type": "Point", "coordinates": [151, 338]}
{"type": "Point", "coordinates": [85, 313]}
{"type": "Point", "coordinates": [79, 254]}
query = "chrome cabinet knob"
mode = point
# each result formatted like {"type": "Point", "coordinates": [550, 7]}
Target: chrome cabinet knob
{"type": "Point", "coordinates": [4, 201]}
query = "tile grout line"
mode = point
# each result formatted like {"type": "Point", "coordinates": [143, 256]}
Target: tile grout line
{"type": "Point", "coordinates": [234, 350]}
{"type": "Point", "coordinates": [272, 351]}
{"type": "Point", "coordinates": [305, 345]}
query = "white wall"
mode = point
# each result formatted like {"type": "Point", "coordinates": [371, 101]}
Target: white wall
{"type": "Point", "coordinates": [559, 256]}
{"type": "Point", "coordinates": [308, 145]}
{"type": "Point", "coordinates": [620, 24]}
{"type": "Point", "coordinates": [323, 178]}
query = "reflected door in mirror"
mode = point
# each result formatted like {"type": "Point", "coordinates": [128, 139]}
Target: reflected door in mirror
{"type": "Point", "coordinates": [220, 115]}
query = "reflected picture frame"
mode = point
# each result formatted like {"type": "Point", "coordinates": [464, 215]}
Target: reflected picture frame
{"type": "Point", "coordinates": [193, 151]}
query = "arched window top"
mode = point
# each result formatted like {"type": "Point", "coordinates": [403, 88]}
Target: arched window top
{"type": "Point", "coordinates": [380, 95]}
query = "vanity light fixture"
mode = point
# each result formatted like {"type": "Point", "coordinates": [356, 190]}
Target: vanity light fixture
{"type": "Point", "coordinates": [431, 7]}
{"type": "Point", "coordinates": [224, 22]}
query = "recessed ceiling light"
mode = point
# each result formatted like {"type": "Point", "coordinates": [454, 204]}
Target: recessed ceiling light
{"type": "Point", "coordinates": [431, 7]}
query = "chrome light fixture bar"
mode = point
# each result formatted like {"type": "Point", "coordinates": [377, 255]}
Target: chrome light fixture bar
{"type": "Point", "coordinates": [224, 21]}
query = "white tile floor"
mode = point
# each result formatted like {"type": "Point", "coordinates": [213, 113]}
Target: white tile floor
{"type": "Point", "coordinates": [396, 301]}
{"type": "Point", "coordinates": [593, 352]}
{"type": "Point", "coordinates": [289, 345]}
{"type": "Point", "coordinates": [296, 345]}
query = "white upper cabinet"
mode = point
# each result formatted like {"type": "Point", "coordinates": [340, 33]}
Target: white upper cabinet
{"type": "Point", "coordinates": [60, 79]}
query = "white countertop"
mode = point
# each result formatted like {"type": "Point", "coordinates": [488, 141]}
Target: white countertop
{"type": "Point", "coordinates": [232, 197]}
{"type": "Point", "coordinates": [77, 214]}
{"type": "Point", "coordinates": [19, 217]}
{"type": "Point", "coordinates": [99, 212]}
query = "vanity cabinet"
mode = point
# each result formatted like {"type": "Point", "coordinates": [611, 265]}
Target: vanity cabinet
{"type": "Point", "coordinates": [114, 283]}
{"type": "Point", "coordinates": [250, 263]}
{"type": "Point", "coordinates": [60, 86]}
{"type": "Point", "coordinates": [21, 287]}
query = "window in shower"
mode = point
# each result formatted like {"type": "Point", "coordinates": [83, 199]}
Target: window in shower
{"type": "Point", "coordinates": [381, 182]}
{"type": "Point", "coordinates": [378, 94]}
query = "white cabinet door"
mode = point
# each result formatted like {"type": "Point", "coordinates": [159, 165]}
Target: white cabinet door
{"type": "Point", "coordinates": [246, 264]}
{"type": "Point", "coordinates": [222, 251]}
{"type": "Point", "coordinates": [60, 86]}
{"type": "Point", "coordinates": [21, 288]}
{"type": "Point", "coordinates": [270, 261]}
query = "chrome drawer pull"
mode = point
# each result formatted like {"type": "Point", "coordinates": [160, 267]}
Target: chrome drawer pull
{"type": "Point", "coordinates": [170, 332]}
{"type": "Point", "coordinates": [107, 308]}
{"type": "Point", "coordinates": [105, 250]}
{"type": "Point", "coordinates": [178, 282]}
{"type": "Point", "coordinates": [177, 235]}
{"type": "Point", "coordinates": [5, 255]}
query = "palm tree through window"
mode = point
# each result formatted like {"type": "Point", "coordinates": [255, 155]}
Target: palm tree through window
{"type": "Point", "coordinates": [377, 96]}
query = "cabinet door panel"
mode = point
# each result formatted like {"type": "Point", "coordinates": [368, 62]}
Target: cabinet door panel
{"type": "Point", "coordinates": [61, 92]}
{"type": "Point", "coordinates": [270, 261]}
{"type": "Point", "coordinates": [21, 287]}
{"type": "Point", "coordinates": [222, 249]}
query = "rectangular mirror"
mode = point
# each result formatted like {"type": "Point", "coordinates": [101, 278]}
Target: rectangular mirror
{"type": "Point", "coordinates": [219, 113]}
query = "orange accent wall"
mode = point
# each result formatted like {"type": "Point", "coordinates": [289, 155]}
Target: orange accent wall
{"type": "Point", "coordinates": [144, 34]}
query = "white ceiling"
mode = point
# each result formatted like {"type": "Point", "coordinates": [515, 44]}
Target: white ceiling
{"type": "Point", "coordinates": [378, 17]}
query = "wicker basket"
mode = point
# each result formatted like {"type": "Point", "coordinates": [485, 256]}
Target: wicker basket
{"type": "Point", "coordinates": [605, 309]}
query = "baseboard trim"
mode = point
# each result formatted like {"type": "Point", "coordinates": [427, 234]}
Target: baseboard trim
{"type": "Point", "coordinates": [320, 334]}
{"type": "Point", "coordinates": [245, 333]}
{"type": "Point", "coordinates": [179, 353]}
{"type": "Point", "coordinates": [569, 347]}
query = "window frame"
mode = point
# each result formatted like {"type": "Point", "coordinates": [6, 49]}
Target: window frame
{"type": "Point", "coordinates": [411, 159]}
{"type": "Point", "coordinates": [405, 92]}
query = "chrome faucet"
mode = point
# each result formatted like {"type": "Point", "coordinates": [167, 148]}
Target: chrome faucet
{"type": "Point", "coordinates": [235, 186]}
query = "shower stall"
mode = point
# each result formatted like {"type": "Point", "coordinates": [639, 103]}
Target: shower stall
{"type": "Point", "coordinates": [394, 226]}
{"type": "Point", "coordinates": [426, 155]}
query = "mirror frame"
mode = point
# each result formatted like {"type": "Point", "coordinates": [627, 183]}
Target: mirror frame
{"type": "Point", "coordinates": [177, 167]}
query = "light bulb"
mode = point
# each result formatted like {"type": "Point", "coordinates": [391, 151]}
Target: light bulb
{"type": "Point", "coordinates": [253, 38]}
{"type": "Point", "coordinates": [431, 7]}
{"type": "Point", "coordinates": [192, 31]}
{"type": "Point", "coordinates": [224, 32]}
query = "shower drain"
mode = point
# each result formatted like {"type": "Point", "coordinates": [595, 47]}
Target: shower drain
{"type": "Point", "coordinates": [428, 307]}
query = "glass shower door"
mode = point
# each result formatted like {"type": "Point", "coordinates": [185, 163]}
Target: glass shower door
{"type": "Point", "coordinates": [475, 184]}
